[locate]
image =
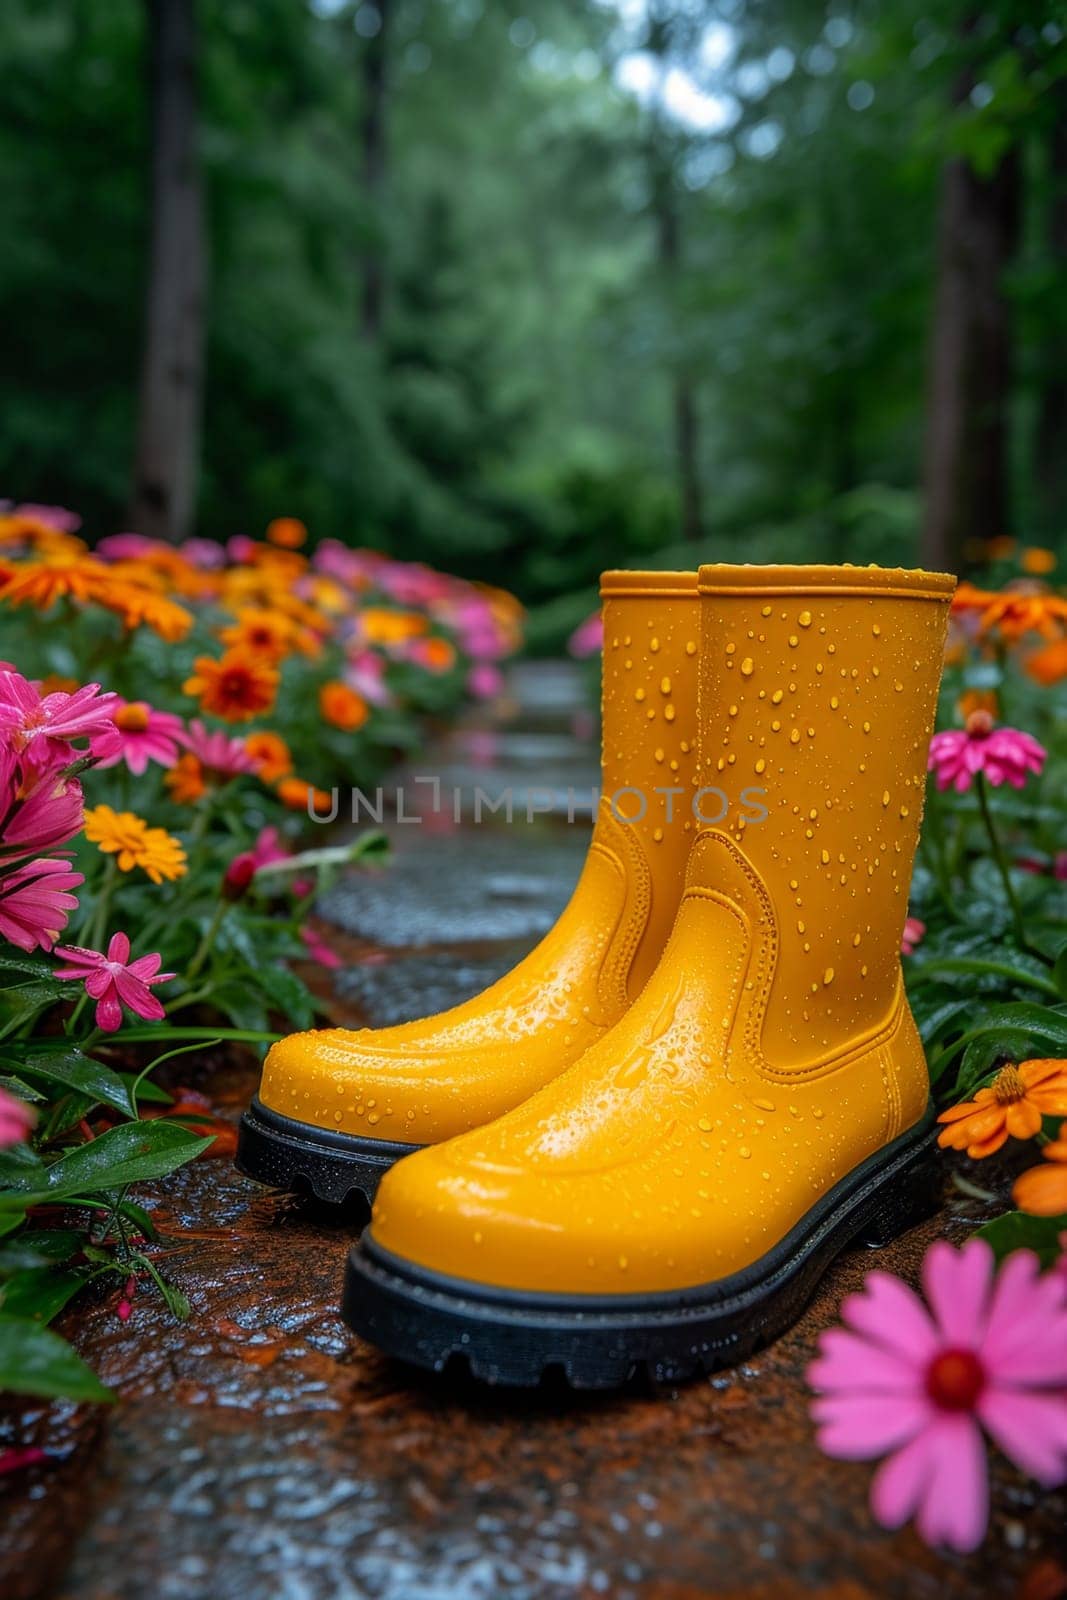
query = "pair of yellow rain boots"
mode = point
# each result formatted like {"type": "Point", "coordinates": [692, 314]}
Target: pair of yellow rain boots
{"type": "Point", "coordinates": [641, 1147]}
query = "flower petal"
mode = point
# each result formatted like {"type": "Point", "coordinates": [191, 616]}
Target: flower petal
{"type": "Point", "coordinates": [954, 1508]}
{"type": "Point", "coordinates": [852, 1363]}
{"type": "Point", "coordinates": [1031, 1429]}
{"type": "Point", "coordinates": [858, 1427]}
{"type": "Point", "coordinates": [891, 1313]}
{"type": "Point", "coordinates": [957, 1284]}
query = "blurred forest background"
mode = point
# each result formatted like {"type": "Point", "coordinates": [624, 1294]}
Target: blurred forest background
{"type": "Point", "coordinates": [526, 288]}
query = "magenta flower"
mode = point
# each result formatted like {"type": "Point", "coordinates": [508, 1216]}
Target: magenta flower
{"type": "Point", "coordinates": [914, 931]}
{"type": "Point", "coordinates": [484, 680]}
{"type": "Point", "coordinates": [1005, 755]}
{"type": "Point", "coordinates": [587, 638]}
{"type": "Point", "coordinates": [35, 901]}
{"type": "Point", "coordinates": [144, 735]}
{"type": "Point", "coordinates": [46, 726]}
{"type": "Point", "coordinates": [224, 757]}
{"type": "Point", "coordinates": [114, 980]}
{"type": "Point", "coordinates": [318, 949]}
{"type": "Point", "coordinates": [919, 1384]}
{"type": "Point", "coordinates": [39, 809]}
{"type": "Point", "coordinates": [16, 1120]}
{"type": "Point", "coordinates": [366, 674]}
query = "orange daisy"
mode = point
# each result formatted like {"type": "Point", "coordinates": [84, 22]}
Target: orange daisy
{"type": "Point", "coordinates": [1037, 560]}
{"type": "Point", "coordinates": [289, 532]}
{"type": "Point", "coordinates": [145, 608]}
{"type": "Point", "coordinates": [134, 844]}
{"type": "Point", "coordinates": [342, 706]}
{"type": "Point", "coordinates": [271, 755]}
{"type": "Point", "coordinates": [42, 583]}
{"type": "Point", "coordinates": [301, 796]}
{"type": "Point", "coordinates": [270, 634]}
{"type": "Point", "coordinates": [1015, 613]}
{"type": "Point", "coordinates": [1048, 665]}
{"type": "Point", "coordinates": [380, 626]}
{"type": "Point", "coordinates": [1013, 1104]}
{"type": "Point", "coordinates": [185, 779]}
{"type": "Point", "coordinates": [236, 688]}
{"type": "Point", "coordinates": [1042, 1191]}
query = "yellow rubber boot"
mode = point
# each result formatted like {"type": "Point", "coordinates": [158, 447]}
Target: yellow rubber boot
{"type": "Point", "coordinates": [336, 1108]}
{"type": "Point", "coordinates": [671, 1199]}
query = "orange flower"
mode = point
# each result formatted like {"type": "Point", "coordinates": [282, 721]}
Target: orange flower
{"type": "Point", "coordinates": [976, 700]}
{"type": "Point", "coordinates": [1014, 1104]}
{"type": "Point", "coordinates": [135, 844]}
{"type": "Point", "coordinates": [1000, 547]}
{"type": "Point", "coordinates": [236, 688]}
{"type": "Point", "coordinates": [379, 626]}
{"type": "Point", "coordinates": [342, 706]}
{"type": "Point", "coordinates": [271, 755]}
{"type": "Point", "coordinates": [289, 532]}
{"type": "Point", "coordinates": [145, 608]}
{"type": "Point", "coordinates": [185, 780]}
{"type": "Point", "coordinates": [436, 655]}
{"type": "Point", "coordinates": [301, 796]}
{"type": "Point", "coordinates": [1042, 1191]}
{"type": "Point", "coordinates": [55, 683]}
{"type": "Point", "coordinates": [1037, 560]}
{"type": "Point", "coordinates": [1017, 612]}
{"type": "Point", "coordinates": [41, 583]}
{"type": "Point", "coordinates": [1048, 665]}
{"type": "Point", "coordinates": [261, 632]}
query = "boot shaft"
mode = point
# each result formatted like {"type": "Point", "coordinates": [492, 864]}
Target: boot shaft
{"type": "Point", "coordinates": [819, 684]}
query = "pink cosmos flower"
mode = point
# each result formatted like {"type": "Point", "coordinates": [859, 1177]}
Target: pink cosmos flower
{"type": "Point", "coordinates": [145, 735]}
{"type": "Point", "coordinates": [39, 809]}
{"type": "Point", "coordinates": [914, 930]}
{"type": "Point", "coordinates": [35, 901]}
{"type": "Point", "coordinates": [1005, 755]}
{"type": "Point", "coordinates": [484, 680]}
{"type": "Point", "coordinates": [16, 1120]}
{"type": "Point", "coordinates": [224, 757]}
{"type": "Point", "coordinates": [919, 1384]}
{"type": "Point", "coordinates": [46, 726]}
{"type": "Point", "coordinates": [587, 638]}
{"type": "Point", "coordinates": [113, 980]}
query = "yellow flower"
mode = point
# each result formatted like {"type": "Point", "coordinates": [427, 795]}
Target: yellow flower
{"type": "Point", "coordinates": [135, 844]}
{"type": "Point", "coordinates": [380, 626]}
{"type": "Point", "coordinates": [236, 688]}
{"type": "Point", "coordinates": [342, 706]}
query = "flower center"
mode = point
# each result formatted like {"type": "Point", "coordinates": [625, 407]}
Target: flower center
{"type": "Point", "coordinates": [132, 718]}
{"type": "Point", "coordinates": [1008, 1086]}
{"type": "Point", "coordinates": [979, 725]}
{"type": "Point", "coordinates": [955, 1379]}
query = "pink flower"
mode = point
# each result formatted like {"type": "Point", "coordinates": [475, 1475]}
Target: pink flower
{"type": "Point", "coordinates": [1005, 755]}
{"type": "Point", "coordinates": [913, 935]}
{"type": "Point", "coordinates": [919, 1384]}
{"type": "Point", "coordinates": [114, 980]}
{"type": "Point", "coordinates": [35, 901]}
{"type": "Point", "coordinates": [16, 1120]}
{"type": "Point", "coordinates": [365, 674]}
{"type": "Point", "coordinates": [587, 638]}
{"type": "Point", "coordinates": [484, 680]}
{"type": "Point", "coordinates": [39, 809]}
{"type": "Point", "coordinates": [144, 735]}
{"type": "Point", "coordinates": [318, 949]}
{"type": "Point", "coordinates": [224, 757]}
{"type": "Point", "coordinates": [47, 725]}
{"type": "Point", "coordinates": [57, 517]}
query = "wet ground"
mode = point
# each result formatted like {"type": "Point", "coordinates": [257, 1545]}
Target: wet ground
{"type": "Point", "coordinates": [260, 1453]}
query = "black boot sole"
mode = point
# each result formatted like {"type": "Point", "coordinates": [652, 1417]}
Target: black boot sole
{"type": "Point", "coordinates": [304, 1159]}
{"type": "Point", "coordinates": [517, 1337]}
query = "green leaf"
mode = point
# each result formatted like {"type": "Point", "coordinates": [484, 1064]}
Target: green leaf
{"type": "Point", "coordinates": [34, 1360]}
{"type": "Point", "coordinates": [82, 1074]}
{"type": "Point", "coordinates": [39, 1293]}
{"type": "Point", "coordinates": [288, 994]}
{"type": "Point", "coordinates": [1015, 1230]}
{"type": "Point", "coordinates": [20, 1167]}
{"type": "Point", "coordinates": [27, 964]}
{"type": "Point", "coordinates": [1011, 966]}
{"type": "Point", "coordinates": [131, 1153]}
{"type": "Point", "coordinates": [40, 1247]}
{"type": "Point", "coordinates": [22, 1091]}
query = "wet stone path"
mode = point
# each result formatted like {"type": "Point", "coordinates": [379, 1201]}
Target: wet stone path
{"type": "Point", "coordinates": [260, 1453]}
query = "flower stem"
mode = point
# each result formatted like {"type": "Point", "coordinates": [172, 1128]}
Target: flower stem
{"type": "Point", "coordinates": [203, 949]}
{"type": "Point", "coordinates": [1002, 866]}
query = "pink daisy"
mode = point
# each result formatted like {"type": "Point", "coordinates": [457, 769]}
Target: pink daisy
{"type": "Point", "coordinates": [224, 757]}
{"type": "Point", "coordinates": [114, 980]}
{"type": "Point", "coordinates": [16, 1120]}
{"type": "Point", "coordinates": [920, 1383]}
{"type": "Point", "coordinates": [35, 901]}
{"type": "Point", "coordinates": [39, 810]}
{"type": "Point", "coordinates": [46, 725]}
{"type": "Point", "coordinates": [144, 735]}
{"type": "Point", "coordinates": [1005, 755]}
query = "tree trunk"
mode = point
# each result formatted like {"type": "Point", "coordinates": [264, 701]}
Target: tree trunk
{"type": "Point", "coordinates": [1050, 446]}
{"type": "Point", "coordinates": [686, 420]}
{"type": "Point", "coordinates": [168, 437]}
{"type": "Point", "coordinates": [966, 457]}
{"type": "Point", "coordinates": [373, 139]}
